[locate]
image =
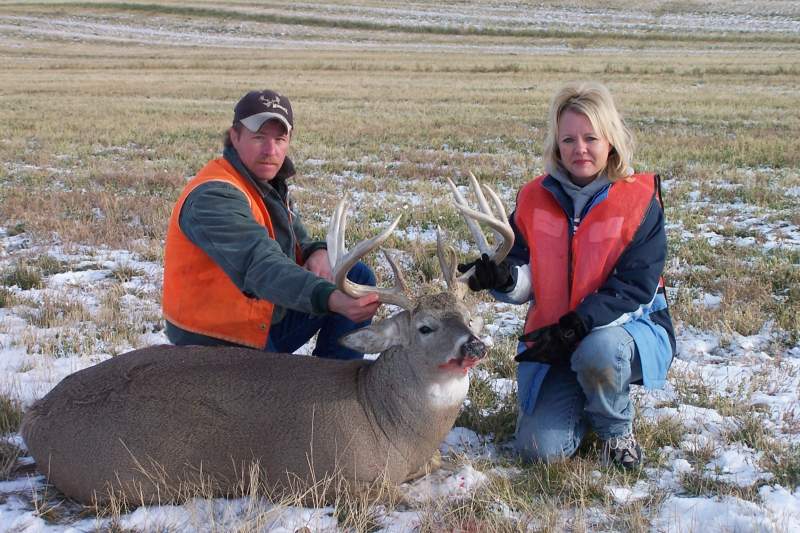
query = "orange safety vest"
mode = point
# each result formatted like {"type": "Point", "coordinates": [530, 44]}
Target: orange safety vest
{"type": "Point", "coordinates": [564, 271]}
{"type": "Point", "coordinates": [198, 295]}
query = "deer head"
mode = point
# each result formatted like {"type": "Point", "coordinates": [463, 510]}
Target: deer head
{"type": "Point", "coordinates": [443, 314]}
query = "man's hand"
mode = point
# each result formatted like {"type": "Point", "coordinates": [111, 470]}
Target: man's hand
{"type": "Point", "coordinates": [356, 309]}
{"type": "Point", "coordinates": [555, 343]}
{"type": "Point", "coordinates": [318, 263]}
{"type": "Point", "coordinates": [488, 274]}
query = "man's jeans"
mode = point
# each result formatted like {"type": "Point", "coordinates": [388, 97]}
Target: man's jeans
{"type": "Point", "coordinates": [594, 392]}
{"type": "Point", "coordinates": [296, 328]}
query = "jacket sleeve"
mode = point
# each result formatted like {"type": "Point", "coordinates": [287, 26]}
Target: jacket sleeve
{"type": "Point", "coordinates": [307, 244]}
{"type": "Point", "coordinates": [634, 281]}
{"type": "Point", "coordinates": [217, 218]}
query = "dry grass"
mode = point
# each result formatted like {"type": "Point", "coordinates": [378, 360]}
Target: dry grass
{"type": "Point", "coordinates": [10, 414]}
{"type": "Point", "coordinates": [98, 136]}
{"type": "Point", "coordinates": [10, 418]}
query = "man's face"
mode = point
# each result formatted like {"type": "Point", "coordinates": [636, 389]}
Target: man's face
{"type": "Point", "coordinates": [262, 152]}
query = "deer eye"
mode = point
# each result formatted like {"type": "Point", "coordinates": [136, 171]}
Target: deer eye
{"type": "Point", "coordinates": [425, 330]}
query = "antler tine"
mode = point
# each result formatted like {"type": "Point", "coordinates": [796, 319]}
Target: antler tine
{"type": "Point", "coordinates": [484, 205]}
{"type": "Point", "coordinates": [497, 222]}
{"type": "Point", "coordinates": [474, 229]}
{"type": "Point", "coordinates": [343, 262]}
{"type": "Point", "coordinates": [448, 264]}
{"type": "Point", "coordinates": [397, 293]}
{"type": "Point", "coordinates": [502, 227]}
{"type": "Point", "coordinates": [336, 230]}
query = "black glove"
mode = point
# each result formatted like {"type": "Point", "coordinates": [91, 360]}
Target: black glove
{"type": "Point", "coordinates": [488, 274]}
{"type": "Point", "coordinates": [555, 343]}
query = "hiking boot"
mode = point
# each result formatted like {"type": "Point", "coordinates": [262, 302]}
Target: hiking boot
{"type": "Point", "coordinates": [622, 451]}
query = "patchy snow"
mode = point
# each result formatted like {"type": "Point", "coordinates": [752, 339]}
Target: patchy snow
{"type": "Point", "coordinates": [783, 506]}
{"type": "Point", "coordinates": [737, 466]}
{"type": "Point", "coordinates": [749, 372]}
{"type": "Point", "coordinates": [624, 495]}
{"type": "Point", "coordinates": [444, 484]}
{"type": "Point", "coordinates": [348, 27]}
{"type": "Point", "coordinates": [698, 515]}
{"type": "Point", "coordinates": [726, 367]}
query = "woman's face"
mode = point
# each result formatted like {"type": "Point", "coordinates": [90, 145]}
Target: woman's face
{"type": "Point", "coordinates": [584, 153]}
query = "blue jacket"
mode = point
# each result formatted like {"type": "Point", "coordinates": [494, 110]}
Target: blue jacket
{"type": "Point", "coordinates": [630, 298]}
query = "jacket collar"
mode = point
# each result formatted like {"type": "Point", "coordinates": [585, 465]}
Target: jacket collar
{"type": "Point", "coordinates": [278, 183]}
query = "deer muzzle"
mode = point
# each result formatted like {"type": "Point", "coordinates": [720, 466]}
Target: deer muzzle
{"type": "Point", "coordinates": [473, 348]}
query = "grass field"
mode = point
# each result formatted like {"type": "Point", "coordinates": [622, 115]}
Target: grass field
{"type": "Point", "coordinates": [107, 107]}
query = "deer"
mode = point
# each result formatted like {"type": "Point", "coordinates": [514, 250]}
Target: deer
{"type": "Point", "coordinates": [144, 425]}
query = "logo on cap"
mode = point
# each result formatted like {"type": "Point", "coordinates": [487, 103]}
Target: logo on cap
{"type": "Point", "coordinates": [272, 102]}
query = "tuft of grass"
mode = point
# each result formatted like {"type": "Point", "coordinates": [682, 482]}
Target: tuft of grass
{"type": "Point", "coordinates": [6, 297]}
{"type": "Point", "coordinates": [697, 483]}
{"type": "Point", "coordinates": [425, 267]}
{"type": "Point", "coordinates": [478, 513]}
{"type": "Point", "coordinates": [53, 312]}
{"type": "Point", "coordinates": [125, 273]}
{"type": "Point", "coordinates": [8, 459]}
{"type": "Point", "coordinates": [654, 435]}
{"type": "Point", "coordinates": [751, 432]}
{"type": "Point", "coordinates": [49, 265]}
{"type": "Point", "coordinates": [571, 482]}
{"type": "Point", "coordinates": [24, 277]}
{"type": "Point", "coordinates": [784, 462]}
{"type": "Point", "coordinates": [10, 414]}
{"type": "Point", "coordinates": [16, 229]}
{"type": "Point", "coordinates": [485, 412]}
{"type": "Point", "coordinates": [693, 390]}
{"type": "Point", "coordinates": [500, 360]}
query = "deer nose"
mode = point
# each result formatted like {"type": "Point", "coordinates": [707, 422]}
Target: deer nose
{"type": "Point", "coordinates": [473, 348]}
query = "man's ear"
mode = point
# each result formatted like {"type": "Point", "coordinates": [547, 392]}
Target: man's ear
{"type": "Point", "coordinates": [233, 135]}
{"type": "Point", "coordinates": [379, 337]}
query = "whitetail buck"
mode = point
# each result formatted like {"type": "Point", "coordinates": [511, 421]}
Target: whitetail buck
{"type": "Point", "coordinates": [146, 424]}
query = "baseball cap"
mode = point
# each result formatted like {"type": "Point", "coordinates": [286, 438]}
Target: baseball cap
{"type": "Point", "coordinates": [257, 107]}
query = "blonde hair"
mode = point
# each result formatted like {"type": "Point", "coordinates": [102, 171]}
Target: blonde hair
{"type": "Point", "coordinates": [594, 101]}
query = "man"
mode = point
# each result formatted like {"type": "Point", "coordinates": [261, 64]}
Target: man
{"type": "Point", "coordinates": [239, 266]}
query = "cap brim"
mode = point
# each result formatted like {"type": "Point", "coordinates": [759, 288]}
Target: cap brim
{"type": "Point", "coordinates": [254, 122]}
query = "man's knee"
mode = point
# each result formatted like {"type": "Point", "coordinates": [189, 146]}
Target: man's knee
{"type": "Point", "coordinates": [362, 274]}
{"type": "Point", "coordinates": [536, 442]}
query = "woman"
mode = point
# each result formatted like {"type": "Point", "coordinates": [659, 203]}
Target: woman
{"type": "Point", "coordinates": [589, 252]}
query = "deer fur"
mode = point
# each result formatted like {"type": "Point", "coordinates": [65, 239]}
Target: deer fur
{"type": "Point", "coordinates": [144, 424]}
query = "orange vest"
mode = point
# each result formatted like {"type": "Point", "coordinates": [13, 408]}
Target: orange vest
{"type": "Point", "coordinates": [198, 295]}
{"type": "Point", "coordinates": [564, 271]}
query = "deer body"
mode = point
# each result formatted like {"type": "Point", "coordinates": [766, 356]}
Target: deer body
{"type": "Point", "coordinates": [150, 421]}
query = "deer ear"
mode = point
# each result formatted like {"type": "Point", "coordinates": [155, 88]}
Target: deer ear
{"type": "Point", "coordinates": [379, 337]}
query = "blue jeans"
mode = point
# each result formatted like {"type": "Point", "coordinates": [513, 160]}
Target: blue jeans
{"type": "Point", "coordinates": [594, 392]}
{"type": "Point", "coordinates": [296, 328]}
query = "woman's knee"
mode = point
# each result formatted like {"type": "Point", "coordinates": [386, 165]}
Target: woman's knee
{"type": "Point", "coordinates": [601, 350]}
{"type": "Point", "coordinates": [536, 442]}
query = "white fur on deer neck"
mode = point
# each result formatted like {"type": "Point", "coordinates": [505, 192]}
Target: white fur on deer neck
{"type": "Point", "coordinates": [449, 393]}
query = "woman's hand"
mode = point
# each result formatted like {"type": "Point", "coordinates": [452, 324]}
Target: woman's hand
{"type": "Point", "coordinates": [488, 274]}
{"type": "Point", "coordinates": [555, 343]}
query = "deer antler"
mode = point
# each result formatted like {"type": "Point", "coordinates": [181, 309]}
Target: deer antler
{"type": "Point", "coordinates": [449, 263]}
{"type": "Point", "coordinates": [342, 261]}
{"type": "Point", "coordinates": [501, 228]}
